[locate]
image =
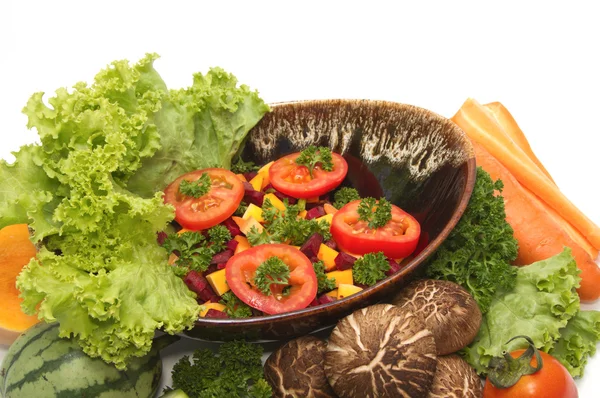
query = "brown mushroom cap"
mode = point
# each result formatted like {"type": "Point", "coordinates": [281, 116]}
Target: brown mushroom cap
{"type": "Point", "coordinates": [447, 309]}
{"type": "Point", "coordinates": [296, 369]}
{"type": "Point", "coordinates": [455, 378]}
{"type": "Point", "coordinates": [380, 351]}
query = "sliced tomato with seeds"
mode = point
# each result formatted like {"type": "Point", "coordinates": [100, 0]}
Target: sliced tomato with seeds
{"type": "Point", "coordinates": [223, 198]}
{"type": "Point", "coordinates": [302, 283]}
{"type": "Point", "coordinates": [397, 239]}
{"type": "Point", "coordinates": [297, 181]}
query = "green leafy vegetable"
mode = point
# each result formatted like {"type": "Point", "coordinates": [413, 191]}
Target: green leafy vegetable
{"type": "Point", "coordinates": [578, 341]}
{"type": "Point", "coordinates": [197, 188]}
{"type": "Point", "coordinates": [236, 372]}
{"type": "Point", "coordinates": [101, 273]}
{"type": "Point", "coordinates": [312, 156]}
{"type": "Point", "coordinates": [375, 212]}
{"type": "Point", "coordinates": [234, 307]}
{"type": "Point", "coordinates": [541, 303]}
{"type": "Point", "coordinates": [273, 271]}
{"type": "Point", "coordinates": [240, 167]}
{"type": "Point", "coordinates": [370, 268]}
{"type": "Point", "coordinates": [344, 196]}
{"type": "Point", "coordinates": [286, 226]}
{"type": "Point", "coordinates": [479, 250]}
{"type": "Point", "coordinates": [324, 284]}
{"type": "Point", "coordinates": [194, 252]}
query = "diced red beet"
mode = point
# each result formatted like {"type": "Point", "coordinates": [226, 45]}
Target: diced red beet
{"type": "Point", "coordinates": [315, 212]}
{"type": "Point", "coordinates": [394, 267]}
{"type": "Point", "coordinates": [314, 303]}
{"type": "Point", "coordinates": [199, 285]}
{"type": "Point", "coordinates": [160, 237]}
{"type": "Point", "coordinates": [312, 205]}
{"type": "Point", "coordinates": [211, 268]}
{"type": "Point", "coordinates": [222, 257]}
{"type": "Point", "coordinates": [324, 299]}
{"type": "Point", "coordinates": [291, 200]}
{"type": "Point", "coordinates": [212, 313]}
{"type": "Point", "coordinates": [233, 228]}
{"type": "Point", "coordinates": [269, 188]}
{"type": "Point", "coordinates": [221, 265]}
{"type": "Point", "coordinates": [248, 187]}
{"type": "Point", "coordinates": [331, 244]}
{"type": "Point", "coordinates": [344, 261]}
{"type": "Point", "coordinates": [254, 197]}
{"type": "Point", "coordinates": [232, 244]}
{"type": "Point", "coordinates": [311, 247]}
{"type": "Point", "coordinates": [250, 175]}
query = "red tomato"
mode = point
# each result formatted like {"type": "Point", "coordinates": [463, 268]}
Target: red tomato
{"type": "Point", "coordinates": [295, 180]}
{"type": "Point", "coordinates": [397, 239]}
{"type": "Point", "coordinates": [240, 270]}
{"type": "Point", "coordinates": [552, 381]}
{"type": "Point", "coordinates": [216, 206]}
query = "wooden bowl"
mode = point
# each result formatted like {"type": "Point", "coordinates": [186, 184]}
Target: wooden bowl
{"type": "Point", "coordinates": [417, 159]}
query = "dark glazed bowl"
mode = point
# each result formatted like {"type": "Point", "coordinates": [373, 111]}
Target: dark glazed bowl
{"type": "Point", "coordinates": [419, 160]}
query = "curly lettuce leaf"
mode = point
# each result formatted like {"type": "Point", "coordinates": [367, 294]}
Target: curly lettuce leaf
{"type": "Point", "coordinates": [539, 306]}
{"type": "Point", "coordinates": [578, 341]}
{"type": "Point", "coordinates": [201, 126]}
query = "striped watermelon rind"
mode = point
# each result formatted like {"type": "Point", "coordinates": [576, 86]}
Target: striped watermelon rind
{"type": "Point", "coordinates": [40, 364]}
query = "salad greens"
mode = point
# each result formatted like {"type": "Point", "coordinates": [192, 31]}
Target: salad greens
{"type": "Point", "coordinates": [541, 303]}
{"type": "Point", "coordinates": [88, 193]}
{"type": "Point", "coordinates": [479, 250]}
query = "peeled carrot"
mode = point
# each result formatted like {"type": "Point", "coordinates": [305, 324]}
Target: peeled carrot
{"type": "Point", "coordinates": [478, 123]}
{"type": "Point", "coordinates": [508, 123]}
{"type": "Point", "coordinates": [538, 234]}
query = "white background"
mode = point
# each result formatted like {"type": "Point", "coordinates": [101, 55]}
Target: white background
{"type": "Point", "coordinates": [540, 59]}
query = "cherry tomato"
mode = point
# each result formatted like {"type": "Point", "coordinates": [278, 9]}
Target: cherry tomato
{"type": "Point", "coordinates": [295, 180]}
{"type": "Point", "coordinates": [241, 268]}
{"type": "Point", "coordinates": [397, 239]}
{"type": "Point", "coordinates": [552, 381]}
{"type": "Point", "coordinates": [221, 201]}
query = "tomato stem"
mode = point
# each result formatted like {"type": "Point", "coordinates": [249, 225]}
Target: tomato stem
{"type": "Point", "coordinates": [505, 371]}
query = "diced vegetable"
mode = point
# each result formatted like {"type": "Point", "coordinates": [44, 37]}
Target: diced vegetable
{"type": "Point", "coordinates": [333, 293]}
{"type": "Point", "coordinates": [327, 255]}
{"type": "Point", "coordinates": [243, 244]}
{"type": "Point", "coordinates": [197, 283]}
{"type": "Point", "coordinates": [325, 298]}
{"type": "Point", "coordinates": [213, 313]}
{"type": "Point", "coordinates": [312, 245]}
{"type": "Point", "coordinates": [341, 277]}
{"type": "Point", "coordinates": [345, 290]}
{"type": "Point", "coordinates": [256, 182]}
{"type": "Point", "coordinates": [223, 256]}
{"type": "Point", "coordinates": [218, 282]}
{"type": "Point", "coordinates": [210, 305]}
{"type": "Point", "coordinates": [344, 261]}
{"type": "Point", "coordinates": [232, 227]}
{"type": "Point", "coordinates": [278, 204]}
{"type": "Point", "coordinates": [315, 212]}
{"type": "Point", "coordinates": [253, 211]}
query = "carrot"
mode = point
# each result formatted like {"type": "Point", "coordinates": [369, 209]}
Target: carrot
{"type": "Point", "coordinates": [329, 209]}
{"type": "Point", "coordinates": [15, 252]}
{"type": "Point", "coordinates": [508, 123]}
{"type": "Point", "coordinates": [482, 128]}
{"type": "Point", "coordinates": [538, 234]}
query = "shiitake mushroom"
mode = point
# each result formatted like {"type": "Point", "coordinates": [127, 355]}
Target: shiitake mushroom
{"type": "Point", "coordinates": [380, 351]}
{"type": "Point", "coordinates": [446, 308]}
{"type": "Point", "coordinates": [296, 369]}
{"type": "Point", "coordinates": [455, 378]}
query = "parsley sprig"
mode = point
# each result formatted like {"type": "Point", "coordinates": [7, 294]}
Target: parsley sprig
{"type": "Point", "coordinates": [194, 251]}
{"type": "Point", "coordinates": [240, 166]}
{"type": "Point", "coordinates": [312, 155]}
{"type": "Point", "coordinates": [344, 196]}
{"type": "Point", "coordinates": [370, 268]}
{"type": "Point", "coordinates": [234, 307]}
{"type": "Point", "coordinates": [376, 213]}
{"type": "Point", "coordinates": [324, 284]}
{"type": "Point", "coordinates": [272, 271]}
{"type": "Point", "coordinates": [197, 188]}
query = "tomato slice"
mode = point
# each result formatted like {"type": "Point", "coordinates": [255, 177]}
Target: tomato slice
{"type": "Point", "coordinates": [241, 268]}
{"type": "Point", "coordinates": [221, 201]}
{"type": "Point", "coordinates": [397, 239]}
{"type": "Point", "coordinates": [295, 180]}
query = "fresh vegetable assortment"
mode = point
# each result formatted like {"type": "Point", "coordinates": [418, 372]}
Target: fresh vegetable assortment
{"type": "Point", "coordinates": [292, 245]}
{"type": "Point", "coordinates": [141, 215]}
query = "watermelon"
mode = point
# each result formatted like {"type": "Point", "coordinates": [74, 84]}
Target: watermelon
{"type": "Point", "coordinates": [40, 364]}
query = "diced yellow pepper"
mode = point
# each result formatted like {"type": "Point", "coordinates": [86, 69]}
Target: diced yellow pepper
{"type": "Point", "coordinates": [345, 290]}
{"type": "Point", "coordinates": [253, 211]}
{"type": "Point", "coordinates": [341, 277]}
{"type": "Point", "coordinates": [257, 181]}
{"type": "Point", "coordinates": [275, 201]}
{"type": "Point", "coordinates": [327, 255]}
{"type": "Point", "coordinates": [212, 306]}
{"type": "Point", "coordinates": [264, 171]}
{"type": "Point", "coordinates": [265, 168]}
{"type": "Point", "coordinates": [218, 282]}
{"type": "Point", "coordinates": [327, 217]}
{"type": "Point", "coordinates": [333, 293]}
{"type": "Point", "coordinates": [243, 244]}
{"type": "Point", "coordinates": [302, 214]}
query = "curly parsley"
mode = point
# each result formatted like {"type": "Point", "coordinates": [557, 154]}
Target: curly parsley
{"type": "Point", "coordinates": [344, 196]}
{"type": "Point", "coordinates": [240, 167]}
{"type": "Point", "coordinates": [272, 271]}
{"type": "Point", "coordinates": [370, 268]}
{"type": "Point", "coordinates": [376, 213]}
{"type": "Point", "coordinates": [197, 188]}
{"type": "Point", "coordinates": [324, 284]}
{"type": "Point", "coordinates": [234, 307]}
{"type": "Point", "coordinates": [312, 155]}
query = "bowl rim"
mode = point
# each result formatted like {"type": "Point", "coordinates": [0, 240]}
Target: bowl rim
{"type": "Point", "coordinates": [415, 262]}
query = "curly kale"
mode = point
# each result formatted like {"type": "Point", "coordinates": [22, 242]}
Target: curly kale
{"type": "Point", "coordinates": [478, 252]}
